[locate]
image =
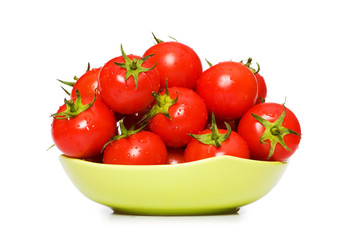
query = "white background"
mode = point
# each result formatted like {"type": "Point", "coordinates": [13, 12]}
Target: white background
{"type": "Point", "coordinates": [309, 52]}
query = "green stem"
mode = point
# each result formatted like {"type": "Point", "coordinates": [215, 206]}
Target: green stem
{"type": "Point", "coordinates": [214, 138]}
{"type": "Point", "coordinates": [162, 105]}
{"type": "Point", "coordinates": [125, 133]}
{"type": "Point", "coordinates": [74, 108]}
{"type": "Point", "coordinates": [274, 132]}
{"type": "Point", "coordinates": [157, 39]}
{"type": "Point", "coordinates": [133, 67]}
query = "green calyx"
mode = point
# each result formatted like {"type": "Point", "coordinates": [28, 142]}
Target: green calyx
{"type": "Point", "coordinates": [274, 132]}
{"type": "Point", "coordinates": [124, 132]}
{"type": "Point", "coordinates": [133, 67]}
{"type": "Point", "coordinates": [71, 84]}
{"type": "Point", "coordinates": [162, 105]}
{"type": "Point", "coordinates": [157, 39]}
{"type": "Point", "coordinates": [249, 63]}
{"type": "Point", "coordinates": [214, 138]}
{"type": "Point", "coordinates": [73, 108]}
{"type": "Point", "coordinates": [160, 41]}
{"type": "Point", "coordinates": [209, 63]}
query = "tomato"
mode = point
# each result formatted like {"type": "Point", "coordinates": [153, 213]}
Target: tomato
{"type": "Point", "coordinates": [229, 89]}
{"type": "Point", "coordinates": [271, 130]}
{"type": "Point", "coordinates": [216, 142]}
{"type": "Point", "coordinates": [141, 148]}
{"type": "Point", "coordinates": [177, 64]}
{"type": "Point", "coordinates": [175, 155]}
{"type": "Point", "coordinates": [87, 84]}
{"type": "Point", "coordinates": [177, 113]}
{"type": "Point", "coordinates": [262, 87]}
{"type": "Point", "coordinates": [126, 83]}
{"type": "Point", "coordinates": [82, 126]}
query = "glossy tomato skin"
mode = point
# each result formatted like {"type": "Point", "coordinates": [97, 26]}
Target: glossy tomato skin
{"type": "Point", "coordinates": [251, 130]}
{"type": "Point", "coordinates": [84, 135]}
{"type": "Point", "coordinates": [87, 84]}
{"type": "Point", "coordinates": [188, 115]}
{"type": "Point", "coordinates": [121, 94]}
{"type": "Point", "coordinates": [175, 155]}
{"type": "Point", "coordinates": [235, 146]}
{"type": "Point", "coordinates": [229, 89]}
{"type": "Point", "coordinates": [142, 148]}
{"type": "Point", "coordinates": [262, 88]}
{"type": "Point", "coordinates": [177, 63]}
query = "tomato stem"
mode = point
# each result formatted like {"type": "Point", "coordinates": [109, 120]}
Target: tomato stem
{"type": "Point", "coordinates": [133, 67]}
{"type": "Point", "coordinates": [274, 132]}
{"type": "Point", "coordinates": [248, 64]}
{"type": "Point", "coordinates": [124, 132]}
{"type": "Point", "coordinates": [214, 138]}
{"type": "Point", "coordinates": [74, 108]}
{"type": "Point", "coordinates": [162, 105]}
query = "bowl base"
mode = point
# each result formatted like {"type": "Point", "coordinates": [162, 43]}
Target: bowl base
{"type": "Point", "coordinates": [176, 212]}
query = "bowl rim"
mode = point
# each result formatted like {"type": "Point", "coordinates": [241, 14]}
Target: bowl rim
{"type": "Point", "coordinates": [180, 165]}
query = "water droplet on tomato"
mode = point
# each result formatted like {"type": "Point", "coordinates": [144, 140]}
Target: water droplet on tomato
{"type": "Point", "coordinates": [142, 140]}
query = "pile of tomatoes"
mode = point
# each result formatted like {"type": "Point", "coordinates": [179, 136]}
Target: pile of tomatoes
{"type": "Point", "coordinates": [163, 108]}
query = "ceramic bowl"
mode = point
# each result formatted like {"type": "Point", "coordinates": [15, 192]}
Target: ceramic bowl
{"type": "Point", "coordinates": [217, 185]}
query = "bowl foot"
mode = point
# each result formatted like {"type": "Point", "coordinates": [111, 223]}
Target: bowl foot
{"type": "Point", "coordinates": [176, 212]}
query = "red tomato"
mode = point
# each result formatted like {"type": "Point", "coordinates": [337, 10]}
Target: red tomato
{"type": "Point", "coordinates": [84, 135]}
{"type": "Point", "coordinates": [87, 84]}
{"type": "Point", "coordinates": [126, 83]}
{"type": "Point", "coordinates": [142, 148]}
{"type": "Point", "coordinates": [262, 88]}
{"type": "Point", "coordinates": [233, 146]}
{"type": "Point", "coordinates": [177, 64]}
{"type": "Point", "coordinates": [187, 115]}
{"type": "Point", "coordinates": [175, 155]}
{"type": "Point", "coordinates": [229, 89]}
{"type": "Point", "coordinates": [271, 130]}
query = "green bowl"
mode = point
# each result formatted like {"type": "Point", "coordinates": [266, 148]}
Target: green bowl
{"type": "Point", "coordinates": [217, 185]}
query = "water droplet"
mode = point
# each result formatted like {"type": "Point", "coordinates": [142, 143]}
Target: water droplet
{"type": "Point", "coordinates": [142, 140]}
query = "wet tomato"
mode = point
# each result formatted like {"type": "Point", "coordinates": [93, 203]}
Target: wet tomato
{"type": "Point", "coordinates": [177, 64]}
{"type": "Point", "coordinates": [229, 89]}
{"type": "Point", "coordinates": [271, 130]}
